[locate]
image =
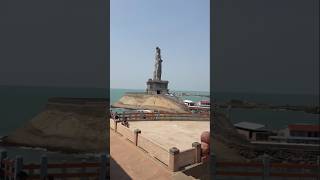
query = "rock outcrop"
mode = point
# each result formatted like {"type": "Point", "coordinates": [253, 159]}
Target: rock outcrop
{"type": "Point", "coordinates": [230, 145]}
{"type": "Point", "coordinates": [66, 124]}
{"type": "Point", "coordinates": [153, 102]}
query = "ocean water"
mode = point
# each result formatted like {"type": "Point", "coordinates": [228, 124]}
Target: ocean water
{"type": "Point", "coordinates": [271, 118]}
{"type": "Point", "coordinates": [21, 104]}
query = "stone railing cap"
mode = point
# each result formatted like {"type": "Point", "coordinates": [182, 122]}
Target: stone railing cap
{"type": "Point", "coordinates": [195, 144]}
{"type": "Point", "coordinates": [174, 150]}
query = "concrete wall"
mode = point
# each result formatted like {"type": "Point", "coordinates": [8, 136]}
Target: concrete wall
{"type": "Point", "coordinates": [154, 149]}
{"type": "Point", "coordinates": [174, 162]}
{"type": "Point", "coordinates": [244, 133]}
{"type": "Point", "coordinates": [186, 157]}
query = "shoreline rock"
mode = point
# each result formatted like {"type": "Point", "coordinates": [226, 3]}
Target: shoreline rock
{"type": "Point", "coordinates": [152, 102]}
{"type": "Point", "coordinates": [66, 124]}
{"type": "Point", "coordinates": [224, 133]}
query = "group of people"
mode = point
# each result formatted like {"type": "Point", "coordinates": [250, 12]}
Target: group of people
{"type": "Point", "coordinates": [115, 116]}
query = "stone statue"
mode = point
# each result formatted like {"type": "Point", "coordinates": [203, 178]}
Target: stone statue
{"type": "Point", "coordinates": [158, 68]}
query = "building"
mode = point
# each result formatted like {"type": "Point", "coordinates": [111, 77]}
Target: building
{"type": "Point", "coordinates": [299, 133]}
{"type": "Point", "coordinates": [252, 131]}
{"type": "Point", "coordinates": [203, 103]}
{"type": "Point", "coordinates": [189, 103]}
{"type": "Point", "coordinates": [304, 130]}
{"type": "Point", "coordinates": [156, 85]}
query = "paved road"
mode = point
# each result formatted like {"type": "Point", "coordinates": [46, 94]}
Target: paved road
{"type": "Point", "coordinates": [129, 162]}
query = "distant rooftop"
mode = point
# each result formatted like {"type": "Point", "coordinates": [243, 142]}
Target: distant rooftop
{"type": "Point", "coordinates": [250, 126]}
{"type": "Point", "coordinates": [304, 127]}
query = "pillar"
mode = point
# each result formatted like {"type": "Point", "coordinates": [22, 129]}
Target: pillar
{"type": "Point", "coordinates": [197, 155]}
{"type": "Point", "coordinates": [173, 159]}
{"type": "Point", "coordinates": [136, 134]}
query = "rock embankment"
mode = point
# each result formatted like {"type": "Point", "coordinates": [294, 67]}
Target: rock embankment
{"type": "Point", "coordinates": [230, 145]}
{"type": "Point", "coordinates": [66, 124]}
{"type": "Point", "coordinates": [152, 102]}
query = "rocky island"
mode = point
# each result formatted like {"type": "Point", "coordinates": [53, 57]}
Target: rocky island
{"type": "Point", "coordinates": [152, 102]}
{"type": "Point", "coordinates": [157, 95]}
{"type": "Point", "coordinates": [66, 124]}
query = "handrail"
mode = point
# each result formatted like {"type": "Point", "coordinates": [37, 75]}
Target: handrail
{"type": "Point", "coordinates": [11, 168]}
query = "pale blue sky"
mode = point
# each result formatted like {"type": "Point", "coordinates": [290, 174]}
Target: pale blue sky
{"type": "Point", "coordinates": [179, 27]}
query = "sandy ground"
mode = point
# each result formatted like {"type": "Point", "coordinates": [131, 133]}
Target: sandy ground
{"type": "Point", "coordinates": [129, 162]}
{"type": "Point", "coordinates": [180, 134]}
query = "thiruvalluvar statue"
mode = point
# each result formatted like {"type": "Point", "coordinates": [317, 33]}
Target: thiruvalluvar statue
{"type": "Point", "coordinates": [158, 66]}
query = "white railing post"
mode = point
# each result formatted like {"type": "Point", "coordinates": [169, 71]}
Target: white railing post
{"type": "Point", "coordinates": [44, 167]}
{"type": "Point", "coordinates": [123, 115]}
{"type": "Point", "coordinates": [103, 167]}
{"type": "Point", "coordinates": [266, 167]}
{"type": "Point", "coordinates": [129, 117]}
{"type": "Point", "coordinates": [18, 167]}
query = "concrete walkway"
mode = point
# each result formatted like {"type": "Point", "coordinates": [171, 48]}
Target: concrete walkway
{"type": "Point", "coordinates": [130, 162]}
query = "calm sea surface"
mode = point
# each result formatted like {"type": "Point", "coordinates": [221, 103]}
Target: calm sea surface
{"type": "Point", "coordinates": [20, 104]}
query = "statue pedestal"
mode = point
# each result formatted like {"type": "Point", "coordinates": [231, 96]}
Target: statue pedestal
{"type": "Point", "coordinates": [157, 87]}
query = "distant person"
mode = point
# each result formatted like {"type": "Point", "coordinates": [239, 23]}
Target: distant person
{"type": "Point", "coordinates": [125, 122]}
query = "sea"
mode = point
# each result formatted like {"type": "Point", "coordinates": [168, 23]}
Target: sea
{"type": "Point", "coordinates": [20, 104]}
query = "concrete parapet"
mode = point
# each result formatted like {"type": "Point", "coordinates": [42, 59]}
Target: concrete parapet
{"type": "Point", "coordinates": [197, 147]}
{"type": "Point", "coordinates": [173, 158]}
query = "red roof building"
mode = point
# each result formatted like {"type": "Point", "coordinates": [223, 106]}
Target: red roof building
{"type": "Point", "coordinates": [304, 127]}
{"type": "Point", "coordinates": [304, 130]}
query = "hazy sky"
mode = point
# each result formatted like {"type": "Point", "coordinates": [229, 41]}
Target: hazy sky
{"type": "Point", "coordinates": [53, 43]}
{"type": "Point", "coordinates": [265, 46]}
{"type": "Point", "coordinates": [179, 27]}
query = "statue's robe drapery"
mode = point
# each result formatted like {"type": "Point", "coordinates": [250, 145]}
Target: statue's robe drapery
{"type": "Point", "coordinates": [157, 69]}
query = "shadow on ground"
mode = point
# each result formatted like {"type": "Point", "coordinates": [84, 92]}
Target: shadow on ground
{"type": "Point", "coordinates": [116, 171]}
